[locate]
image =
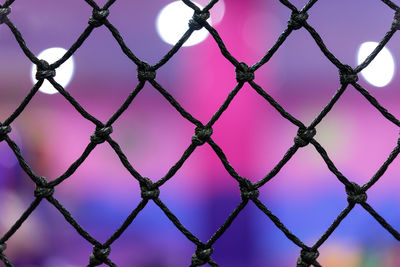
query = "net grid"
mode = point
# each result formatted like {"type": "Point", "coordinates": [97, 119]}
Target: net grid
{"type": "Point", "coordinates": [356, 194]}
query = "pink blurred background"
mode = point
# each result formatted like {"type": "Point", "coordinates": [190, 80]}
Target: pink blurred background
{"type": "Point", "coordinates": [305, 195]}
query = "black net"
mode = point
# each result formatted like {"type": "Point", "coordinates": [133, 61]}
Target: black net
{"type": "Point", "coordinates": [150, 191]}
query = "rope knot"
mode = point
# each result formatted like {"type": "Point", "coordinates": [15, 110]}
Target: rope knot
{"type": "Point", "coordinates": [201, 256]}
{"type": "Point", "coordinates": [44, 71]}
{"type": "Point", "coordinates": [4, 130]}
{"type": "Point", "coordinates": [98, 17]}
{"type": "Point", "coordinates": [99, 255]}
{"type": "Point", "coordinates": [199, 19]}
{"type": "Point", "coordinates": [145, 72]}
{"type": "Point", "coordinates": [100, 134]}
{"type": "Point", "coordinates": [42, 189]}
{"type": "Point", "coordinates": [4, 11]}
{"type": "Point", "coordinates": [247, 190]}
{"type": "Point", "coordinates": [149, 190]}
{"type": "Point", "coordinates": [202, 134]}
{"type": "Point", "coordinates": [244, 73]}
{"type": "Point", "coordinates": [304, 136]}
{"type": "Point", "coordinates": [307, 257]}
{"type": "Point", "coordinates": [355, 194]}
{"type": "Point", "coordinates": [3, 247]}
{"type": "Point", "coordinates": [297, 20]}
{"type": "Point", "coordinates": [396, 21]}
{"type": "Point", "coordinates": [347, 75]}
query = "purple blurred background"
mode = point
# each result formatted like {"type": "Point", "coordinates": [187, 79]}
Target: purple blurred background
{"type": "Point", "coordinates": [305, 195]}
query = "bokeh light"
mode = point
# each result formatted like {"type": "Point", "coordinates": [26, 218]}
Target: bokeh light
{"type": "Point", "coordinates": [63, 74]}
{"type": "Point", "coordinates": [172, 23]}
{"type": "Point", "coordinates": [380, 71]}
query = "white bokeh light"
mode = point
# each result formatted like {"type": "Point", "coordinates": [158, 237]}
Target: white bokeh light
{"type": "Point", "coordinates": [172, 23]}
{"type": "Point", "coordinates": [63, 73]}
{"type": "Point", "coordinates": [380, 71]}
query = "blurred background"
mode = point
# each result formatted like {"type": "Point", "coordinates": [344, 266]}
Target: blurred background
{"type": "Point", "coordinates": [305, 195]}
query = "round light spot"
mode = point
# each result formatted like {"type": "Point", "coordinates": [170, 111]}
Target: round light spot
{"type": "Point", "coordinates": [380, 71]}
{"type": "Point", "coordinates": [218, 12]}
{"type": "Point", "coordinates": [63, 73]}
{"type": "Point", "coordinates": [172, 23]}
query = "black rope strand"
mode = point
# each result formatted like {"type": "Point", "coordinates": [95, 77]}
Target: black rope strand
{"type": "Point", "coordinates": [127, 223]}
{"type": "Point", "coordinates": [393, 155]}
{"type": "Point", "coordinates": [24, 103]}
{"type": "Point", "coordinates": [333, 226]}
{"type": "Point", "coordinates": [20, 221]}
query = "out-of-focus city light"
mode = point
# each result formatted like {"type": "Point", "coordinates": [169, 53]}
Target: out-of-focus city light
{"type": "Point", "coordinates": [380, 71]}
{"type": "Point", "coordinates": [172, 23]}
{"type": "Point", "coordinates": [64, 73]}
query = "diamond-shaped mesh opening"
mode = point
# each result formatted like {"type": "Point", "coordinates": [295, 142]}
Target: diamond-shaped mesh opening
{"type": "Point", "coordinates": [134, 246]}
{"type": "Point", "coordinates": [270, 247]}
{"type": "Point", "coordinates": [301, 93]}
{"type": "Point", "coordinates": [101, 84]}
{"type": "Point", "coordinates": [85, 191]}
{"type": "Point", "coordinates": [152, 133]}
{"type": "Point", "coordinates": [16, 81]}
{"type": "Point", "coordinates": [297, 195]}
{"type": "Point", "coordinates": [387, 95]}
{"type": "Point", "coordinates": [247, 119]}
{"type": "Point", "coordinates": [383, 195]}
{"type": "Point", "coordinates": [344, 21]}
{"type": "Point", "coordinates": [192, 84]}
{"type": "Point", "coordinates": [357, 194]}
{"type": "Point", "coordinates": [42, 29]}
{"type": "Point", "coordinates": [354, 133]}
{"type": "Point", "coordinates": [141, 30]}
{"type": "Point", "coordinates": [59, 120]}
{"type": "Point", "coordinates": [240, 239]}
{"type": "Point", "coordinates": [357, 246]}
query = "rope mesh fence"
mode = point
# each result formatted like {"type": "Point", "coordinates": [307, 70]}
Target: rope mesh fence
{"type": "Point", "coordinates": [150, 191]}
